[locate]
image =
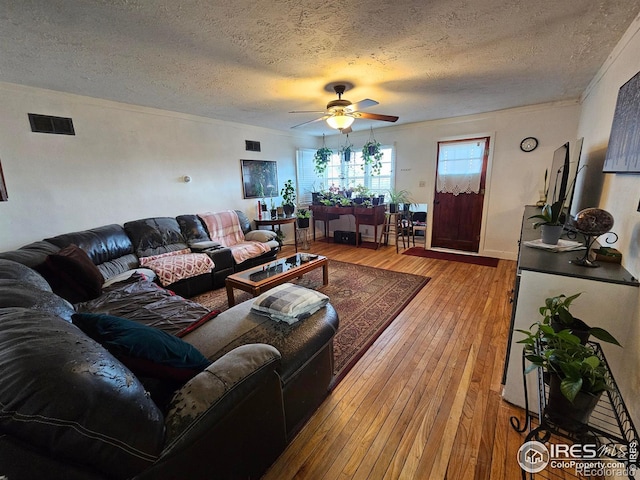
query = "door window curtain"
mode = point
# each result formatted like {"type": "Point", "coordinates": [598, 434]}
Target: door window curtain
{"type": "Point", "coordinates": [460, 166]}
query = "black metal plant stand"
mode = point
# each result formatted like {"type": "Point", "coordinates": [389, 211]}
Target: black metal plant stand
{"type": "Point", "coordinates": [610, 426]}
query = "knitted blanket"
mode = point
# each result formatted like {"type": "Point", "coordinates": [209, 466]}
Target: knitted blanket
{"type": "Point", "coordinates": [224, 228]}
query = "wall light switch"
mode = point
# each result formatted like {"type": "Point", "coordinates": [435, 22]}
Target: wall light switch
{"type": "Point", "coordinates": [423, 184]}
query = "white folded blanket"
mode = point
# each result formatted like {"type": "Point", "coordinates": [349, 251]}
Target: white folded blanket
{"type": "Point", "coordinates": [289, 303]}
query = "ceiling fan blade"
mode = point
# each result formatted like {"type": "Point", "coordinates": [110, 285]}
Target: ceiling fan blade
{"type": "Point", "coordinates": [366, 103]}
{"type": "Point", "coordinates": [346, 130]}
{"type": "Point", "coordinates": [311, 121]}
{"type": "Point", "coordinates": [376, 116]}
{"type": "Point", "coordinates": [307, 111]}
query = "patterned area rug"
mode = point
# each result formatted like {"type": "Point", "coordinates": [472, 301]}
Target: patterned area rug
{"type": "Point", "coordinates": [367, 301]}
{"type": "Point", "coordinates": [453, 257]}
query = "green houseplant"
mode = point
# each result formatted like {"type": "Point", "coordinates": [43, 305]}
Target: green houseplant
{"type": "Point", "coordinates": [372, 154]}
{"type": "Point", "coordinates": [346, 151]}
{"type": "Point", "coordinates": [302, 217]}
{"type": "Point", "coordinates": [574, 373]}
{"type": "Point", "coordinates": [397, 197]}
{"type": "Point", "coordinates": [322, 157]}
{"type": "Point", "coordinates": [288, 198]}
{"type": "Point", "coordinates": [551, 222]}
{"type": "Point", "coordinates": [556, 314]}
{"type": "Point", "coordinates": [572, 369]}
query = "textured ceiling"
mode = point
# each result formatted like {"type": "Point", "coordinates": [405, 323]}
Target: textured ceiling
{"type": "Point", "coordinates": [252, 61]}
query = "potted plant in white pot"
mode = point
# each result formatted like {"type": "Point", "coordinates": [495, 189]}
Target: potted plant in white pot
{"type": "Point", "coordinates": [551, 222]}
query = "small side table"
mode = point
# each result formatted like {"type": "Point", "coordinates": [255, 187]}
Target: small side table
{"type": "Point", "coordinates": [280, 221]}
{"type": "Point", "coordinates": [303, 238]}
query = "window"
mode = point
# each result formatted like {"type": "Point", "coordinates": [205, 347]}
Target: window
{"type": "Point", "coordinates": [343, 174]}
{"type": "Point", "coordinates": [460, 166]}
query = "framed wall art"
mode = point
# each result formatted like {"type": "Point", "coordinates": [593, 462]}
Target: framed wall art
{"type": "Point", "coordinates": [623, 151]}
{"type": "Point", "coordinates": [259, 178]}
{"type": "Point", "coordinates": [3, 187]}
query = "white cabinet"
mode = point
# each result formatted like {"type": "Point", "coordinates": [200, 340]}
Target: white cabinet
{"type": "Point", "coordinates": [608, 300]}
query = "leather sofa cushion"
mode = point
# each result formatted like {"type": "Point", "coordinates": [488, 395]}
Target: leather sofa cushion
{"type": "Point", "coordinates": [72, 274]}
{"type": "Point", "coordinates": [192, 229]}
{"type": "Point", "coordinates": [12, 270]}
{"type": "Point", "coordinates": [101, 416]}
{"type": "Point", "coordinates": [154, 236]}
{"type": "Point", "coordinates": [20, 294]}
{"type": "Point", "coordinates": [31, 255]}
{"type": "Point", "coordinates": [102, 244]}
{"type": "Point", "coordinates": [297, 343]}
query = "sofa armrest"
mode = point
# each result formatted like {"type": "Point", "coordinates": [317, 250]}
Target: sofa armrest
{"type": "Point", "coordinates": [211, 394]}
{"type": "Point", "coordinates": [237, 428]}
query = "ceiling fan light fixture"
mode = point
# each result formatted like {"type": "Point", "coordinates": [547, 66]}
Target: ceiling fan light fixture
{"type": "Point", "coordinates": [340, 121]}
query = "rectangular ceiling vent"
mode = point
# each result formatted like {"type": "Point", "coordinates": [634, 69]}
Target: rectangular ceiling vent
{"type": "Point", "coordinates": [50, 124]}
{"type": "Point", "coordinates": [252, 145]}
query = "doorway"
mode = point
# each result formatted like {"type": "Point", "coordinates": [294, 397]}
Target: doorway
{"type": "Point", "coordinates": [459, 197]}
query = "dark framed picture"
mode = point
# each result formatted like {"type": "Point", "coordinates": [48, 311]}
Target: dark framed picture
{"type": "Point", "coordinates": [3, 187]}
{"type": "Point", "coordinates": [259, 178]}
{"type": "Point", "coordinates": [623, 151]}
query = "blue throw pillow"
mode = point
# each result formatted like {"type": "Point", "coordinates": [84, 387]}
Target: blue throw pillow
{"type": "Point", "coordinates": [147, 351]}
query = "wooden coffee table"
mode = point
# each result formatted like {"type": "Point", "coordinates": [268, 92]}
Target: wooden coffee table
{"type": "Point", "coordinates": [260, 279]}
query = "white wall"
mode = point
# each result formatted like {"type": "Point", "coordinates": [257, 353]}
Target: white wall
{"type": "Point", "coordinates": [514, 177]}
{"type": "Point", "coordinates": [621, 192]}
{"type": "Point", "coordinates": [125, 162]}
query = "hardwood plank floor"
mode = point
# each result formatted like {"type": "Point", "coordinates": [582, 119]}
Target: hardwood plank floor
{"type": "Point", "coordinates": [424, 401]}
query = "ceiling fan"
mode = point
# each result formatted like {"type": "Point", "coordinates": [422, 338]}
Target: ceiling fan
{"type": "Point", "coordinates": [341, 113]}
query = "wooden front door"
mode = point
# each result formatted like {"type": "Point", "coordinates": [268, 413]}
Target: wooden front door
{"type": "Point", "coordinates": [457, 216]}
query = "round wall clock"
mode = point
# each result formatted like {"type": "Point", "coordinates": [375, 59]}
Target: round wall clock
{"type": "Point", "coordinates": [529, 144]}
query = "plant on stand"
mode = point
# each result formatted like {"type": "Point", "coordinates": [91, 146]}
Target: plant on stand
{"type": "Point", "coordinates": [302, 217]}
{"type": "Point", "coordinates": [573, 371]}
{"type": "Point", "coordinates": [288, 198]}
{"type": "Point", "coordinates": [396, 197]}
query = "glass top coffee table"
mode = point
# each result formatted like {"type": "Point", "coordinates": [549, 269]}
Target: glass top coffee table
{"type": "Point", "coordinates": [260, 279]}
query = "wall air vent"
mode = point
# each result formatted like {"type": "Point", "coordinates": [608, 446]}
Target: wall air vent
{"type": "Point", "coordinates": [49, 124]}
{"type": "Point", "coordinates": [252, 145]}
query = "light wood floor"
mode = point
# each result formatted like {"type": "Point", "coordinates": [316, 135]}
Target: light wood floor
{"type": "Point", "coordinates": [424, 401]}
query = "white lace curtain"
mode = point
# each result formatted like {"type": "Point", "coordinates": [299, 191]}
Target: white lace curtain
{"type": "Point", "coordinates": [460, 166]}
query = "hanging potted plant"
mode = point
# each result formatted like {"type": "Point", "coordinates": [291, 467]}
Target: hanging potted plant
{"type": "Point", "coordinates": [322, 157]}
{"type": "Point", "coordinates": [346, 151]}
{"type": "Point", "coordinates": [288, 198]}
{"type": "Point", "coordinates": [372, 154]}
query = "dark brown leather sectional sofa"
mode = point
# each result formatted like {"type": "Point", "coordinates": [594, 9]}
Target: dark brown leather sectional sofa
{"type": "Point", "coordinates": [71, 409]}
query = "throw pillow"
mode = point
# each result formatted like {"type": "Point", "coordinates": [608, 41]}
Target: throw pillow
{"type": "Point", "coordinates": [147, 351]}
{"type": "Point", "coordinates": [72, 274]}
{"type": "Point", "coordinates": [289, 303]}
{"type": "Point", "coordinates": [172, 268]}
{"type": "Point", "coordinates": [263, 236]}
